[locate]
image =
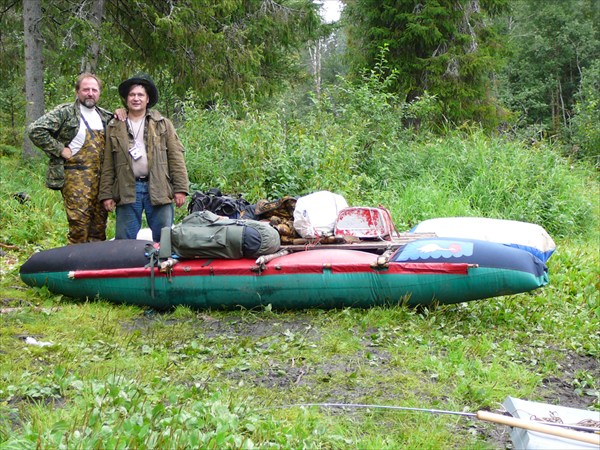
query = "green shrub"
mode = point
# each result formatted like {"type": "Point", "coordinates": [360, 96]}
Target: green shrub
{"type": "Point", "coordinates": [354, 142]}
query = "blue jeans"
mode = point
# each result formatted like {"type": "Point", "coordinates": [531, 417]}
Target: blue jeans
{"type": "Point", "coordinates": [129, 216]}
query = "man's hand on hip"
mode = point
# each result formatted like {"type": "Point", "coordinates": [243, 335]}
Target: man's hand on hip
{"type": "Point", "coordinates": [66, 153]}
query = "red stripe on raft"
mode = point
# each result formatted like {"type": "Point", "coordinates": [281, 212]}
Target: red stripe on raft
{"type": "Point", "coordinates": [431, 268]}
{"type": "Point", "coordinates": [225, 267]}
{"type": "Point", "coordinates": [135, 272]}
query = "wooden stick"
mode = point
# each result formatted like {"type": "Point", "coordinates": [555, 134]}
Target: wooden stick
{"type": "Point", "coordinates": [533, 426]}
{"type": "Point", "coordinates": [364, 244]}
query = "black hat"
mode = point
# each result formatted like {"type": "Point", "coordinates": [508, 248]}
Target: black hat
{"type": "Point", "coordinates": [144, 80]}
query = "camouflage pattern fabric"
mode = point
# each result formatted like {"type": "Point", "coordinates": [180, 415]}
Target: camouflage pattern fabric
{"type": "Point", "coordinates": [85, 213]}
{"type": "Point", "coordinates": [280, 214]}
{"type": "Point", "coordinates": [57, 128]}
{"type": "Point", "coordinates": [282, 207]}
{"type": "Point", "coordinates": [55, 174]}
{"type": "Point", "coordinates": [53, 131]}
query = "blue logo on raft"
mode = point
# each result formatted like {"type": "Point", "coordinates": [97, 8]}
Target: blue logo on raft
{"type": "Point", "coordinates": [435, 249]}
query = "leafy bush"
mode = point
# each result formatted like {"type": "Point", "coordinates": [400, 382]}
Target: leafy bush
{"type": "Point", "coordinates": [355, 142]}
{"type": "Point", "coordinates": [12, 112]}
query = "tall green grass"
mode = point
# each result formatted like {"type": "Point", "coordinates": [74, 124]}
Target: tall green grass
{"type": "Point", "coordinates": [366, 154]}
{"type": "Point", "coordinates": [40, 220]}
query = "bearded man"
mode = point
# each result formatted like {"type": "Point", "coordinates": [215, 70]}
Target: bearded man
{"type": "Point", "coordinates": [72, 135]}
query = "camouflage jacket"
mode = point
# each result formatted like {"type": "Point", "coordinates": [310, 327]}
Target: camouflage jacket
{"type": "Point", "coordinates": [54, 130]}
{"type": "Point", "coordinates": [166, 163]}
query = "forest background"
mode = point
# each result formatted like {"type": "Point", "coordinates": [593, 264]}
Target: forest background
{"type": "Point", "coordinates": [433, 108]}
{"type": "Point", "coordinates": [523, 67]}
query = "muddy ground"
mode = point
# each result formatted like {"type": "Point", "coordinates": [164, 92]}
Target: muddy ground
{"type": "Point", "coordinates": [553, 390]}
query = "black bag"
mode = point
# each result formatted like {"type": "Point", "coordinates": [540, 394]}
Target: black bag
{"type": "Point", "coordinates": [215, 202]}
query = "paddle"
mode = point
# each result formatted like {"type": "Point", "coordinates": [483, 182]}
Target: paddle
{"type": "Point", "coordinates": [554, 429]}
{"type": "Point", "coordinates": [541, 427]}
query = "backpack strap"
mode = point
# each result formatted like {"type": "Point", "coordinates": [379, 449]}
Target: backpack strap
{"type": "Point", "coordinates": [165, 243]}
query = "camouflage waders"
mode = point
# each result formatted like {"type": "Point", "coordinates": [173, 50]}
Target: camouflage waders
{"type": "Point", "coordinates": [85, 214]}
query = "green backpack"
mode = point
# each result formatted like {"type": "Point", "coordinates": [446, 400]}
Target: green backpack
{"type": "Point", "coordinates": [203, 234]}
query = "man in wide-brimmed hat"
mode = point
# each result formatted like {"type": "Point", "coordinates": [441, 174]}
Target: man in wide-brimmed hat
{"type": "Point", "coordinates": [144, 168]}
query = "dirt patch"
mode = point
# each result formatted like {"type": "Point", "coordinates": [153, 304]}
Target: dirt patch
{"type": "Point", "coordinates": [257, 329]}
{"type": "Point", "coordinates": [570, 389]}
{"type": "Point", "coordinates": [230, 325]}
{"type": "Point", "coordinates": [333, 381]}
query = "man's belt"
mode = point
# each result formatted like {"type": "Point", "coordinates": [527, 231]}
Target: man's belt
{"type": "Point", "coordinates": [143, 179]}
{"type": "Point", "coordinates": [76, 167]}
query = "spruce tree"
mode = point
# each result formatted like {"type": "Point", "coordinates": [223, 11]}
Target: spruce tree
{"type": "Point", "coordinates": [447, 48]}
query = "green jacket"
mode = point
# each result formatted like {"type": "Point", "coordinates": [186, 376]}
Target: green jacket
{"type": "Point", "coordinates": [54, 130]}
{"type": "Point", "coordinates": [166, 164]}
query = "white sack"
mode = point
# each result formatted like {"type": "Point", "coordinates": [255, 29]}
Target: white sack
{"type": "Point", "coordinates": [315, 214]}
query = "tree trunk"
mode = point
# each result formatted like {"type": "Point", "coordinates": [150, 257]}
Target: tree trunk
{"type": "Point", "coordinates": [90, 63]}
{"type": "Point", "coordinates": [34, 68]}
{"type": "Point", "coordinates": [315, 64]}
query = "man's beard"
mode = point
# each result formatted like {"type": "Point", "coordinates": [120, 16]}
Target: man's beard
{"type": "Point", "coordinates": [89, 102]}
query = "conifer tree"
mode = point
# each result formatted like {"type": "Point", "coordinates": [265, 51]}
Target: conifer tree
{"type": "Point", "coordinates": [225, 47]}
{"type": "Point", "coordinates": [447, 48]}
